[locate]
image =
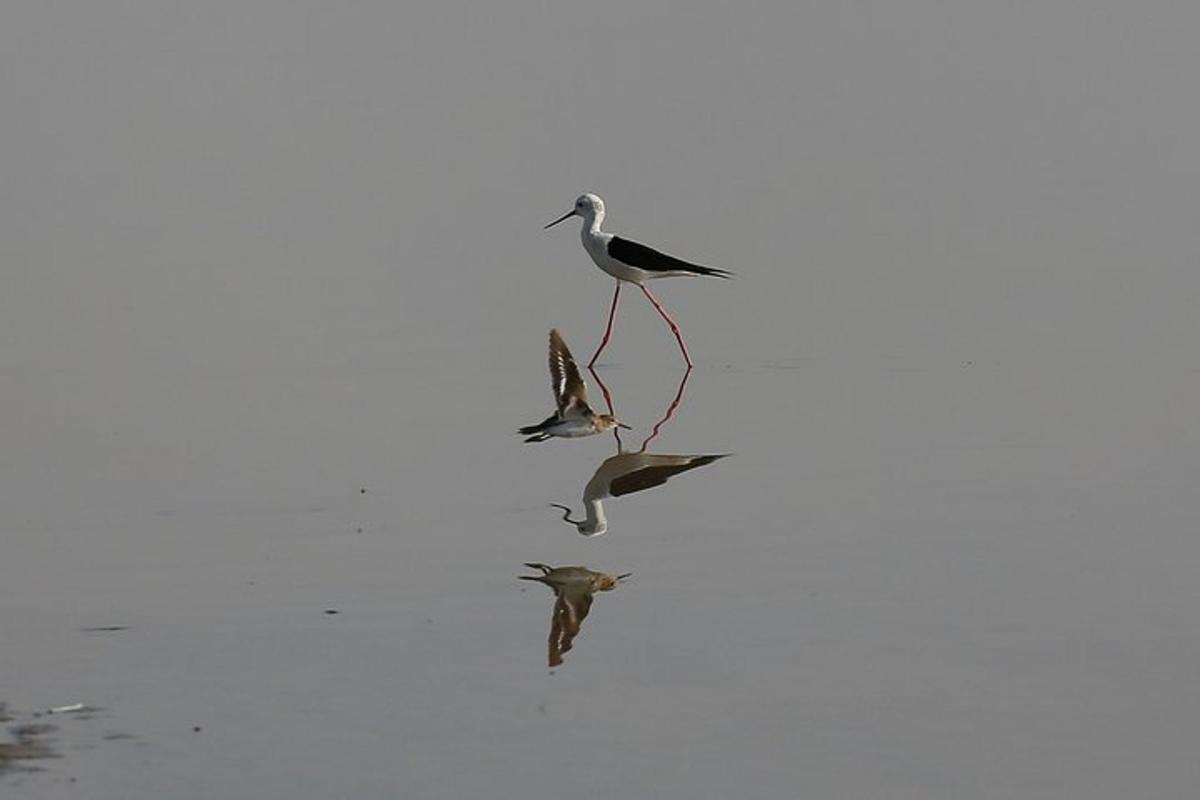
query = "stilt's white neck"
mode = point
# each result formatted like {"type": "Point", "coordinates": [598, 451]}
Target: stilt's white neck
{"type": "Point", "coordinates": [591, 222]}
{"type": "Point", "coordinates": [596, 523]}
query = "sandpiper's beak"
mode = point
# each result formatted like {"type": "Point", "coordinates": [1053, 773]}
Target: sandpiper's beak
{"type": "Point", "coordinates": [624, 575]}
{"type": "Point", "coordinates": [567, 215]}
{"type": "Point", "coordinates": [623, 425]}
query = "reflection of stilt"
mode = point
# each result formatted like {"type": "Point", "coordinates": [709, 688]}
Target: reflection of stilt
{"type": "Point", "coordinates": [670, 412]}
{"type": "Point", "coordinates": [607, 394]}
{"type": "Point", "coordinates": [627, 472]}
{"type": "Point", "coordinates": [687, 373]}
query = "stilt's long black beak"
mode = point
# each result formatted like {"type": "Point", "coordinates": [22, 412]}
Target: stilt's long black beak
{"type": "Point", "coordinates": [567, 215]}
{"type": "Point", "coordinates": [566, 514]}
{"type": "Point", "coordinates": [623, 425]}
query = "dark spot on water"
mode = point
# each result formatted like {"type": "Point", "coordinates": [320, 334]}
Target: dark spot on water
{"type": "Point", "coordinates": [105, 628]}
{"type": "Point", "coordinates": [332, 611]}
{"type": "Point", "coordinates": [195, 729]}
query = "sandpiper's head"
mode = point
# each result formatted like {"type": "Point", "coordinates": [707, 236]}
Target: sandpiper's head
{"type": "Point", "coordinates": [606, 422]}
{"type": "Point", "coordinates": [606, 583]}
{"type": "Point", "coordinates": [588, 206]}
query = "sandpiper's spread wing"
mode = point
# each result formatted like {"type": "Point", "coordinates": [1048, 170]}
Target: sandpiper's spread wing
{"type": "Point", "coordinates": [647, 258]}
{"type": "Point", "coordinates": [570, 393]}
{"type": "Point", "coordinates": [657, 474]}
{"type": "Point", "coordinates": [570, 609]}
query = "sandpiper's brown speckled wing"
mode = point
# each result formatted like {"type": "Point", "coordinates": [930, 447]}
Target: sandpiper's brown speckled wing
{"type": "Point", "coordinates": [570, 392]}
{"type": "Point", "coordinates": [571, 607]}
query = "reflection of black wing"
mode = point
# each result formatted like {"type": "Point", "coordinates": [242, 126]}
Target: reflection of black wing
{"type": "Point", "coordinates": [649, 477]}
{"type": "Point", "coordinates": [570, 392]}
{"type": "Point", "coordinates": [651, 260]}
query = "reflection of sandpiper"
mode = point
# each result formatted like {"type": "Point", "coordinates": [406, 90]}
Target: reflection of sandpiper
{"type": "Point", "coordinates": [631, 262]}
{"type": "Point", "coordinates": [631, 472]}
{"type": "Point", "coordinates": [573, 589]}
{"type": "Point", "coordinates": [574, 417]}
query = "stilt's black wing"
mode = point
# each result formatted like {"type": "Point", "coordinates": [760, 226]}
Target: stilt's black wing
{"type": "Point", "coordinates": [649, 477]}
{"type": "Point", "coordinates": [651, 260]}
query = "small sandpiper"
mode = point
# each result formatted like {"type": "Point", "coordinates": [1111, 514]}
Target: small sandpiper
{"type": "Point", "coordinates": [574, 417]}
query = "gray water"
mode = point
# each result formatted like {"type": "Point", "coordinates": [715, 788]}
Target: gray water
{"type": "Point", "coordinates": [276, 296]}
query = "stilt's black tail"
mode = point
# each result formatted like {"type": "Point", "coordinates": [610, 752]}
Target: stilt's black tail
{"type": "Point", "coordinates": [710, 272]}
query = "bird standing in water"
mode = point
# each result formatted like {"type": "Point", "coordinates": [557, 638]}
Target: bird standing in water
{"type": "Point", "coordinates": [630, 262]}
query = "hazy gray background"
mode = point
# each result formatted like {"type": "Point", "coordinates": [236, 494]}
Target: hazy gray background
{"type": "Point", "coordinates": [255, 257]}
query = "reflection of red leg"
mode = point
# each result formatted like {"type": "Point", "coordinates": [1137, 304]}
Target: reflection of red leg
{"type": "Point", "coordinates": [607, 331]}
{"type": "Point", "coordinates": [603, 390]}
{"type": "Point", "coordinates": [608, 400]}
{"type": "Point", "coordinates": [671, 322]}
{"type": "Point", "coordinates": [670, 409]}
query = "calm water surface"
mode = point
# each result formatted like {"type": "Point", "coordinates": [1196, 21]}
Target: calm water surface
{"type": "Point", "coordinates": [900, 581]}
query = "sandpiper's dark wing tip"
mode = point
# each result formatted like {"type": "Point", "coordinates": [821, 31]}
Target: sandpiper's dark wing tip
{"type": "Point", "coordinates": [526, 430]}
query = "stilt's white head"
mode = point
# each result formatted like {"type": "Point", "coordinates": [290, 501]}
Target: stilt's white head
{"type": "Point", "coordinates": [588, 206]}
{"type": "Point", "coordinates": [595, 525]}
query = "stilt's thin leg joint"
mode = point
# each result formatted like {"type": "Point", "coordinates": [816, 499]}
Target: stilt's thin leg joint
{"type": "Point", "coordinates": [612, 313]}
{"type": "Point", "coordinates": [671, 323]}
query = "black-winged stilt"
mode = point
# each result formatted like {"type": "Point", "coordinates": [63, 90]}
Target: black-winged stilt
{"type": "Point", "coordinates": [631, 262]}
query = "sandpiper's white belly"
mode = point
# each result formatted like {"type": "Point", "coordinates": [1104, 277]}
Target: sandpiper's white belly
{"type": "Point", "coordinates": [572, 428]}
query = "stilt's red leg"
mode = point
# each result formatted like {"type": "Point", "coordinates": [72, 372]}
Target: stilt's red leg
{"type": "Point", "coordinates": [671, 322]}
{"type": "Point", "coordinates": [608, 330]}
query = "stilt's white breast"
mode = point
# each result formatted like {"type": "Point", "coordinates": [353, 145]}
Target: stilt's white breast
{"type": "Point", "coordinates": [596, 244]}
